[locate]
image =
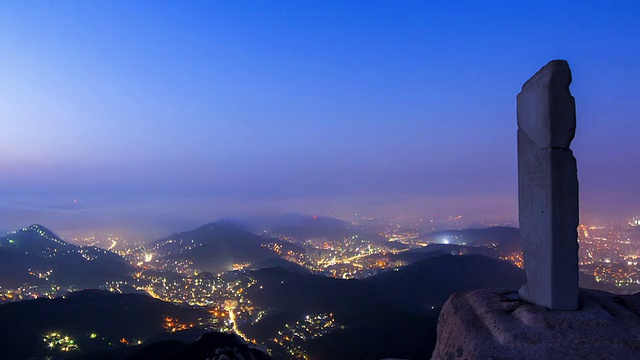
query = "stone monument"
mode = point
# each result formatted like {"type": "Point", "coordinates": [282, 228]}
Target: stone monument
{"type": "Point", "coordinates": [499, 324]}
{"type": "Point", "coordinates": [548, 188]}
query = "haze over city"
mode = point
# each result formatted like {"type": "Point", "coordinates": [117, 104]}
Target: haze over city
{"type": "Point", "coordinates": [168, 115]}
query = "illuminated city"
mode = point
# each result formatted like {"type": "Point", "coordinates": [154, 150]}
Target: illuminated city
{"type": "Point", "coordinates": [608, 257]}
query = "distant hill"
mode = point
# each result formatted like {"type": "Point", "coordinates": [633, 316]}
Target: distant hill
{"type": "Point", "coordinates": [315, 226]}
{"type": "Point", "coordinates": [34, 253]}
{"type": "Point", "coordinates": [216, 247]}
{"type": "Point", "coordinates": [298, 294]}
{"type": "Point", "coordinates": [300, 228]}
{"type": "Point", "coordinates": [432, 250]}
{"type": "Point", "coordinates": [14, 268]}
{"type": "Point", "coordinates": [289, 297]}
{"type": "Point", "coordinates": [290, 223]}
{"type": "Point", "coordinates": [389, 315]}
{"type": "Point", "coordinates": [35, 239]}
{"type": "Point", "coordinates": [428, 282]}
{"type": "Point", "coordinates": [278, 263]}
{"type": "Point", "coordinates": [504, 239]}
{"type": "Point", "coordinates": [93, 319]}
{"type": "Point", "coordinates": [431, 281]}
{"type": "Point", "coordinates": [375, 325]}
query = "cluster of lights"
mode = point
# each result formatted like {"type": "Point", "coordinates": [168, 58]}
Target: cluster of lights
{"type": "Point", "coordinates": [61, 342]}
{"type": "Point", "coordinates": [311, 327]}
{"type": "Point", "coordinates": [173, 324]}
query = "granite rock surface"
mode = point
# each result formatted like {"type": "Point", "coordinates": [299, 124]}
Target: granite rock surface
{"type": "Point", "coordinates": [496, 324]}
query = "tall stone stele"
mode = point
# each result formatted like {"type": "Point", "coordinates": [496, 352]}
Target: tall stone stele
{"type": "Point", "coordinates": [548, 188]}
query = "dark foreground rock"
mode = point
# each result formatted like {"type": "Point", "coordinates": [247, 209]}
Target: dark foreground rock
{"type": "Point", "coordinates": [210, 346]}
{"type": "Point", "coordinates": [496, 324]}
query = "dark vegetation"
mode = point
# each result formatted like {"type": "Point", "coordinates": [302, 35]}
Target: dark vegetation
{"type": "Point", "coordinates": [112, 317]}
{"type": "Point", "coordinates": [393, 314]}
{"type": "Point", "coordinates": [210, 345]}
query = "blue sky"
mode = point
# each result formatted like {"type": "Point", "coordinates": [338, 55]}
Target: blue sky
{"type": "Point", "coordinates": [165, 111]}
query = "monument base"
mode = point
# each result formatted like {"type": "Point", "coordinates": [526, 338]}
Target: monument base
{"type": "Point", "coordinates": [556, 303]}
{"type": "Point", "coordinates": [496, 324]}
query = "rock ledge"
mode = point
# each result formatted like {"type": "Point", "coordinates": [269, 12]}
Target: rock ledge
{"type": "Point", "coordinates": [496, 324]}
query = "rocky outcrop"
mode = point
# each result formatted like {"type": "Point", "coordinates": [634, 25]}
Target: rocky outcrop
{"type": "Point", "coordinates": [496, 324]}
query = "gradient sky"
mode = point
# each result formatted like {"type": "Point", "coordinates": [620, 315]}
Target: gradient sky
{"type": "Point", "coordinates": [161, 111]}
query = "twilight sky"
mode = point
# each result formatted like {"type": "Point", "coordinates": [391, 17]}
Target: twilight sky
{"type": "Point", "coordinates": [162, 112]}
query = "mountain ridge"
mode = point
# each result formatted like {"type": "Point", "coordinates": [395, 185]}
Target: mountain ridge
{"type": "Point", "coordinates": [37, 256]}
